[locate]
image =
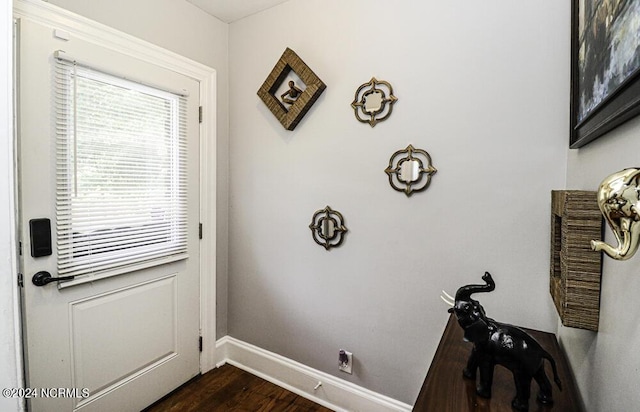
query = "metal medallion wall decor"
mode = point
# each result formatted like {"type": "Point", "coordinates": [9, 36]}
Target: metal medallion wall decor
{"type": "Point", "coordinates": [291, 106]}
{"type": "Point", "coordinates": [373, 102]}
{"type": "Point", "coordinates": [410, 170]}
{"type": "Point", "coordinates": [327, 227]}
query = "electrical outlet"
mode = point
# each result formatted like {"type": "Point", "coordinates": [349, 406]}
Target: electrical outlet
{"type": "Point", "coordinates": [345, 361]}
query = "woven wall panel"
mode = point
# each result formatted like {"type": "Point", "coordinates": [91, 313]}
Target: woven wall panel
{"type": "Point", "coordinates": [575, 268]}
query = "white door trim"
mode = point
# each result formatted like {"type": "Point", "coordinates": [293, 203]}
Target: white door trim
{"type": "Point", "coordinates": [89, 30]}
{"type": "Point", "coordinates": [11, 352]}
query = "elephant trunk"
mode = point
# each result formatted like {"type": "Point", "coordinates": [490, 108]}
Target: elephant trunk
{"type": "Point", "coordinates": [465, 292]}
{"type": "Point", "coordinates": [628, 238]}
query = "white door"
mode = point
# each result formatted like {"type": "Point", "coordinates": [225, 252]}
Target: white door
{"type": "Point", "coordinates": [123, 216]}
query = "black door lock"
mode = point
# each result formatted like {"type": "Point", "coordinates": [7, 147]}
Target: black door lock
{"type": "Point", "coordinates": [40, 231]}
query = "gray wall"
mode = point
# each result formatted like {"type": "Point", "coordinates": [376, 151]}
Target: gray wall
{"type": "Point", "coordinates": [483, 87]}
{"type": "Point", "coordinates": [183, 28]}
{"type": "Point", "coordinates": [606, 363]}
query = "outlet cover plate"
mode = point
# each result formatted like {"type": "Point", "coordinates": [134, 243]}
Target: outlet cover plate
{"type": "Point", "coordinates": [347, 367]}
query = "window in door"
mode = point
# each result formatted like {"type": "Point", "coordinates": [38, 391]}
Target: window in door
{"type": "Point", "coordinates": [121, 171]}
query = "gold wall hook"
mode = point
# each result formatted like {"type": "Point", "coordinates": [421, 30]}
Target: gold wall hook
{"type": "Point", "coordinates": [619, 202]}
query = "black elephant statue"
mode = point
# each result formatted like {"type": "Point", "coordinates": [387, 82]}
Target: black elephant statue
{"type": "Point", "coordinates": [496, 343]}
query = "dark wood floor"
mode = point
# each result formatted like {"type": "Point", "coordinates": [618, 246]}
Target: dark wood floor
{"type": "Point", "coordinates": [231, 389]}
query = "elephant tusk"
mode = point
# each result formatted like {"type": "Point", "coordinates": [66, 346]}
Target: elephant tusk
{"type": "Point", "coordinates": [451, 298]}
{"type": "Point", "coordinates": [446, 301]}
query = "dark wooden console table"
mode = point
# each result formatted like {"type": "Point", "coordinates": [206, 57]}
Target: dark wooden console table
{"type": "Point", "coordinates": [445, 390]}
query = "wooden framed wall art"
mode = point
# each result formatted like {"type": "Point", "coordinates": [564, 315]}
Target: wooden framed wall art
{"type": "Point", "coordinates": [290, 106]}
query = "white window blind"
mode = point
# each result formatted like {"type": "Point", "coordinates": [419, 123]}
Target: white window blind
{"type": "Point", "coordinates": [121, 195]}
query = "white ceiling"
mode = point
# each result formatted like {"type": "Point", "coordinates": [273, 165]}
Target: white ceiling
{"type": "Point", "coordinates": [232, 10]}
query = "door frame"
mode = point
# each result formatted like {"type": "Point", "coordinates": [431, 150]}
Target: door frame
{"type": "Point", "coordinates": [83, 28]}
{"type": "Point", "coordinates": [11, 352]}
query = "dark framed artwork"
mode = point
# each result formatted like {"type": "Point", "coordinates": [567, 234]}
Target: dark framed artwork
{"type": "Point", "coordinates": [605, 67]}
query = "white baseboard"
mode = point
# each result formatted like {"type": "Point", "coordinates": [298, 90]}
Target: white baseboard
{"type": "Point", "coordinates": [334, 393]}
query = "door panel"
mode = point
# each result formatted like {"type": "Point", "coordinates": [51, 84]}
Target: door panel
{"type": "Point", "coordinates": [129, 338]}
{"type": "Point", "coordinates": [100, 358]}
